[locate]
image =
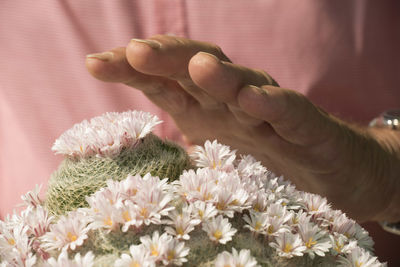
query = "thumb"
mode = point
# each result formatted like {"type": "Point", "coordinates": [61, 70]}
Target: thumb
{"type": "Point", "coordinates": [291, 114]}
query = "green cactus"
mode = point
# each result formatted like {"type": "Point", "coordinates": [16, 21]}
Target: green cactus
{"type": "Point", "coordinates": [77, 178]}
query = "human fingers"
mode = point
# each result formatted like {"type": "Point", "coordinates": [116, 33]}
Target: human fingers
{"type": "Point", "coordinates": [112, 66]}
{"type": "Point", "coordinates": [168, 56]}
{"type": "Point", "coordinates": [291, 114]}
{"type": "Point", "coordinates": [223, 80]}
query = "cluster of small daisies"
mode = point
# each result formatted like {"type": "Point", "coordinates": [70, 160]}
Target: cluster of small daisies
{"type": "Point", "coordinates": [105, 135]}
{"type": "Point", "coordinates": [224, 198]}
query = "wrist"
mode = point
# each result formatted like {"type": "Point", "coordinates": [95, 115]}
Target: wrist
{"type": "Point", "coordinates": [388, 160]}
{"type": "Point", "coordinates": [385, 130]}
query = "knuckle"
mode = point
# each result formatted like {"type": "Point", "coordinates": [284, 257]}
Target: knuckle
{"type": "Point", "coordinates": [157, 36]}
{"type": "Point", "coordinates": [266, 78]}
{"type": "Point", "coordinates": [217, 51]}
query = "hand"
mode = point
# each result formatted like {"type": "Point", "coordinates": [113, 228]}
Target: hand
{"type": "Point", "coordinates": [211, 98]}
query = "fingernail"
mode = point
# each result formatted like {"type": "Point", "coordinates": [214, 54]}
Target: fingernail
{"type": "Point", "coordinates": [152, 43]}
{"type": "Point", "coordinates": [257, 90]}
{"type": "Point", "coordinates": [210, 55]}
{"type": "Point", "coordinates": [105, 56]}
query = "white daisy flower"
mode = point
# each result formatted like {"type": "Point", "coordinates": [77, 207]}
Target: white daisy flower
{"type": "Point", "coordinates": [139, 257]}
{"type": "Point", "coordinates": [198, 185]}
{"type": "Point", "coordinates": [127, 216]}
{"type": "Point", "coordinates": [299, 217]}
{"type": "Point", "coordinates": [78, 261]}
{"type": "Point", "coordinates": [204, 211]}
{"type": "Point", "coordinates": [138, 123]}
{"type": "Point", "coordinates": [146, 213]}
{"type": "Point", "coordinates": [150, 182]}
{"type": "Point", "coordinates": [107, 142]}
{"type": "Point", "coordinates": [343, 225]}
{"type": "Point", "coordinates": [15, 244]}
{"type": "Point", "coordinates": [175, 253]}
{"type": "Point", "coordinates": [183, 223]}
{"type": "Point", "coordinates": [11, 221]}
{"type": "Point", "coordinates": [68, 233]}
{"type": "Point", "coordinates": [222, 200]}
{"type": "Point", "coordinates": [113, 191]}
{"type": "Point", "coordinates": [288, 245]}
{"type": "Point", "coordinates": [153, 201]}
{"type": "Point", "coordinates": [276, 225]}
{"type": "Point", "coordinates": [363, 238]}
{"type": "Point", "coordinates": [224, 259]}
{"type": "Point", "coordinates": [241, 259]}
{"type": "Point", "coordinates": [315, 240]}
{"type": "Point", "coordinates": [32, 197]}
{"type": "Point", "coordinates": [273, 186]}
{"type": "Point", "coordinates": [37, 219]}
{"type": "Point", "coordinates": [131, 185]}
{"type": "Point", "coordinates": [279, 211]}
{"type": "Point", "coordinates": [260, 201]}
{"type": "Point", "coordinates": [156, 245]}
{"type": "Point", "coordinates": [232, 185]}
{"type": "Point", "coordinates": [341, 244]}
{"type": "Point", "coordinates": [315, 204]}
{"type": "Point", "coordinates": [251, 169]}
{"type": "Point", "coordinates": [20, 259]}
{"type": "Point", "coordinates": [104, 213]}
{"type": "Point", "coordinates": [257, 222]}
{"type": "Point", "coordinates": [74, 142]}
{"type": "Point", "coordinates": [105, 135]}
{"type": "Point", "coordinates": [219, 229]}
{"type": "Point", "coordinates": [214, 155]}
{"type": "Point", "coordinates": [359, 257]}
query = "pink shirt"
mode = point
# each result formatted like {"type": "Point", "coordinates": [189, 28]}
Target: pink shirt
{"type": "Point", "coordinates": [342, 54]}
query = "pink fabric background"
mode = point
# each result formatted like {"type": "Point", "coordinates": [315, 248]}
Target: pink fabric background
{"type": "Point", "coordinates": [342, 54]}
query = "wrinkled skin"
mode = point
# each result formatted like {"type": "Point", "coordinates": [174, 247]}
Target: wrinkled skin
{"type": "Point", "coordinates": [209, 97]}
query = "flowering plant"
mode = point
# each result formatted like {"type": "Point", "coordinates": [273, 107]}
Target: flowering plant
{"type": "Point", "coordinates": [123, 197]}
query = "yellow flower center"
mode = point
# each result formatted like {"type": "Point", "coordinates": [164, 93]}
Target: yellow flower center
{"type": "Point", "coordinates": [11, 241]}
{"type": "Point", "coordinates": [310, 243]}
{"type": "Point", "coordinates": [288, 248]}
{"type": "Point", "coordinates": [71, 237]}
{"type": "Point", "coordinates": [144, 212]}
{"type": "Point", "coordinates": [359, 264]}
{"type": "Point", "coordinates": [207, 196]}
{"type": "Point", "coordinates": [257, 226]}
{"type": "Point", "coordinates": [154, 251]}
{"type": "Point", "coordinates": [220, 206]}
{"type": "Point", "coordinates": [217, 234]}
{"type": "Point", "coordinates": [270, 229]}
{"type": "Point", "coordinates": [134, 264]}
{"type": "Point", "coordinates": [126, 216]}
{"type": "Point", "coordinates": [201, 214]}
{"type": "Point", "coordinates": [179, 230]}
{"type": "Point", "coordinates": [108, 221]}
{"type": "Point", "coordinates": [171, 255]}
{"type": "Point", "coordinates": [234, 202]}
{"type": "Point", "coordinates": [313, 208]}
{"type": "Point", "coordinates": [134, 191]}
{"type": "Point", "coordinates": [338, 247]}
